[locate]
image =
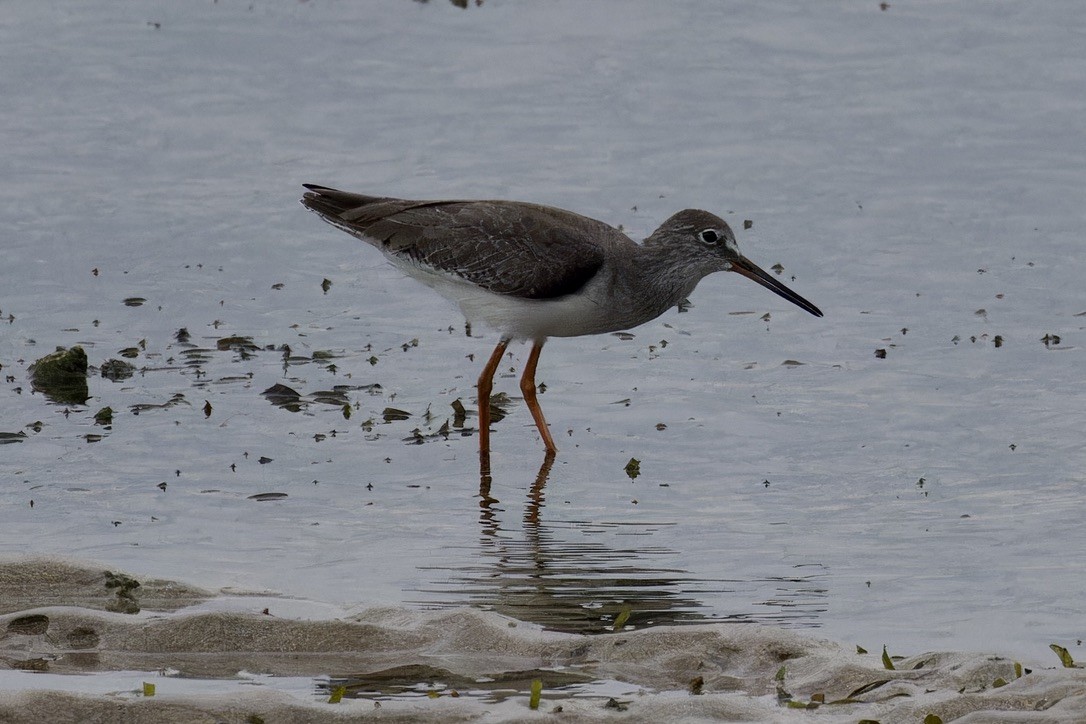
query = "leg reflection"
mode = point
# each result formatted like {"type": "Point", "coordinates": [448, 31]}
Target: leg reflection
{"type": "Point", "coordinates": [576, 573]}
{"type": "Point", "coordinates": [535, 495]}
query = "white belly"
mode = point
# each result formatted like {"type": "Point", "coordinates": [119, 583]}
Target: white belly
{"type": "Point", "coordinates": [518, 318]}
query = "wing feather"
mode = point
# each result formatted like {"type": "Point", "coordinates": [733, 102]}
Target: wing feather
{"type": "Point", "coordinates": [517, 249]}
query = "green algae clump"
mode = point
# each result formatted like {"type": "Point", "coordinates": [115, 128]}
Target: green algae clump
{"type": "Point", "coordinates": [62, 376]}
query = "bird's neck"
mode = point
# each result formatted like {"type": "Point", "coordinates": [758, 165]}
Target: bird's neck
{"type": "Point", "coordinates": [667, 272]}
{"type": "Point", "coordinates": [646, 283]}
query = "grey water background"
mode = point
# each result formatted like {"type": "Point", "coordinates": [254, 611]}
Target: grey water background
{"type": "Point", "coordinates": [917, 172]}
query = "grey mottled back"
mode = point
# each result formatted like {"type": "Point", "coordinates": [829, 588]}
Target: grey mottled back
{"type": "Point", "coordinates": [512, 248]}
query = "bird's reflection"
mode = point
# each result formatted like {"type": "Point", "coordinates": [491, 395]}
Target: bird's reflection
{"type": "Point", "coordinates": [568, 576]}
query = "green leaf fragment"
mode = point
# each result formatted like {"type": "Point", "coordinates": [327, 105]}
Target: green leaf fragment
{"type": "Point", "coordinates": [148, 689]}
{"type": "Point", "coordinates": [887, 662]}
{"type": "Point", "coordinates": [933, 719]}
{"type": "Point", "coordinates": [1064, 654]}
{"type": "Point", "coordinates": [868, 687]}
{"type": "Point", "coordinates": [337, 695]}
{"type": "Point", "coordinates": [621, 619]}
{"type": "Point", "coordinates": [783, 696]}
{"type": "Point", "coordinates": [537, 691]}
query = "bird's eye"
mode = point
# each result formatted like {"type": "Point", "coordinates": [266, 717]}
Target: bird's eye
{"type": "Point", "coordinates": [709, 236]}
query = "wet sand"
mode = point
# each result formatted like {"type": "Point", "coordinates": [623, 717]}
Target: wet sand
{"type": "Point", "coordinates": [62, 619]}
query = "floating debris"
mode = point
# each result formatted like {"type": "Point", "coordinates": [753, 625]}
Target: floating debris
{"type": "Point", "coordinates": [116, 370]}
{"type": "Point", "coordinates": [336, 396]}
{"type": "Point", "coordinates": [392, 414]}
{"type": "Point", "coordinates": [460, 413]}
{"type": "Point", "coordinates": [177, 399]}
{"type": "Point", "coordinates": [196, 356]}
{"type": "Point", "coordinates": [282, 396]}
{"type": "Point", "coordinates": [237, 343]}
{"type": "Point", "coordinates": [62, 376]}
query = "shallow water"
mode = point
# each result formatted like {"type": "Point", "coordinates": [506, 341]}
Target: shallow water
{"type": "Point", "coordinates": [930, 499]}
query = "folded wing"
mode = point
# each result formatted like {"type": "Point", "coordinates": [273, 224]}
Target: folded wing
{"type": "Point", "coordinates": [506, 247]}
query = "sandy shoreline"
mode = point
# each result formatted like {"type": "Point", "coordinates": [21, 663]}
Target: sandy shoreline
{"type": "Point", "coordinates": [404, 665]}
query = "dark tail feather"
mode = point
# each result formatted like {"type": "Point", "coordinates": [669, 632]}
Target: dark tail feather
{"type": "Point", "coordinates": [332, 202]}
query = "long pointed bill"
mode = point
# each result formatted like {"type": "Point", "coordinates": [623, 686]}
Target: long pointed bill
{"type": "Point", "coordinates": [752, 271]}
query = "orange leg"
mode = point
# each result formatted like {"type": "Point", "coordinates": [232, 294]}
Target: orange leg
{"type": "Point", "coordinates": [527, 387]}
{"type": "Point", "coordinates": [486, 384]}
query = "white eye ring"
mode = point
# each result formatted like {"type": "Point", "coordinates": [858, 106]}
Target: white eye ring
{"type": "Point", "coordinates": [709, 236]}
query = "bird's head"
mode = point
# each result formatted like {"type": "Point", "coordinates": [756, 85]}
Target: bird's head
{"type": "Point", "coordinates": [707, 241]}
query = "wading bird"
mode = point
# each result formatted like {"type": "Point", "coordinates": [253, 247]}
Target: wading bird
{"type": "Point", "coordinates": [532, 272]}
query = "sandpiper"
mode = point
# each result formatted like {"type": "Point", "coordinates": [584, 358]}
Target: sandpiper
{"type": "Point", "coordinates": [531, 272]}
